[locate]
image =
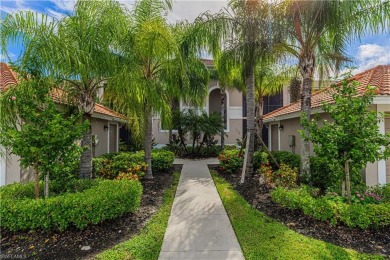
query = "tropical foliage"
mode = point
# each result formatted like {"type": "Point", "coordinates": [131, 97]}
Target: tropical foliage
{"type": "Point", "coordinates": [76, 51]}
{"type": "Point", "coordinates": [318, 32]}
{"type": "Point", "coordinates": [39, 131]}
{"type": "Point", "coordinates": [352, 139]}
{"type": "Point", "coordinates": [157, 66]}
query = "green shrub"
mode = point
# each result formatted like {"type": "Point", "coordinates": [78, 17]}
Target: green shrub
{"type": "Point", "coordinates": [382, 190]}
{"type": "Point", "coordinates": [105, 199]}
{"type": "Point", "coordinates": [285, 176]}
{"type": "Point", "coordinates": [230, 161]}
{"type": "Point", "coordinates": [162, 160]}
{"type": "Point", "coordinates": [288, 158]}
{"type": "Point", "coordinates": [259, 158]}
{"type": "Point", "coordinates": [321, 175]}
{"type": "Point", "coordinates": [334, 210]}
{"type": "Point", "coordinates": [132, 163]}
{"type": "Point", "coordinates": [24, 191]}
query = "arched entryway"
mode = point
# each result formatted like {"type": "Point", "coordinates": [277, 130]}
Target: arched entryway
{"type": "Point", "coordinates": [214, 103]}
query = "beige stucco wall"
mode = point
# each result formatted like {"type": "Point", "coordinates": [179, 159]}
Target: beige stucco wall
{"type": "Point", "coordinates": [235, 97]}
{"type": "Point", "coordinates": [102, 135]}
{"type": "Point", "coordinates": [13, 169]}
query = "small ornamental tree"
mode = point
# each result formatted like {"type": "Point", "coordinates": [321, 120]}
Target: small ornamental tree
{"type": "Point", "coordinates": [34, 128]}
{"type": "Point", "coordinates": [353, 138]}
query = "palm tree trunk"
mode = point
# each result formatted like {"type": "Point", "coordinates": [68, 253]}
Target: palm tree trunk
{"type": "Point", "coordinates": [306, 66]}
{"type": "Point", "coordinates": [86, 156]}
{"type": "Point", "coordinates": [260, 123]}
{"type": "Point", "coordinates": [148, 145]}
{"type": "Point", "coordinates": [223, 118]}
{"type": "Point", "coordinates": [250, 108]}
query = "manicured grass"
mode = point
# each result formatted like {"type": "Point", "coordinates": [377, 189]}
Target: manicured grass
{"type": "Point", "coordinates": [261, 237]}
{"type": "Point", "coordinates": [147, 244]}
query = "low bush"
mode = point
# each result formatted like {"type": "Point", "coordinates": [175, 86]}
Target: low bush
{"type": "Point", "coordinates": [131, 165]}
{"type": "Point", "coordinates": [285, 177]}
{"type": "Point", "coordinates": [231, 161]}
{"type": "Point", "coordinates": [259, 158]}
{"type": "Point", "coordinates": [96, 201]}
{"type": "Point", "coordinates": [335, 209]}
{"type": "Point", "coordinates": [383, 191]}
{"type": "Point", "coordinates": [24, 191]}
{"type": "Point", "coordinates": [283, 157]}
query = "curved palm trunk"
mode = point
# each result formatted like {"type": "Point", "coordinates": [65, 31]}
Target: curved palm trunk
{"type": "Point", "coordinates": [250, 106]}
{"type": "Point", "coordinates": [86, 156]}
{"type": "Point", "coordinates": [306, 66]}
{"type": "Point", "coordinates": [260, 123]}
{"type": "Point", "coordinates": [223, 118]}
{"type": "Point", "coordinates": [148, 145]}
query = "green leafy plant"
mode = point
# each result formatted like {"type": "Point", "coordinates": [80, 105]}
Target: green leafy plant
{"type": "Point", "coordinates": [131, 164]}
{"type": "Point", "coordinates": [39, 132]}
{"type": "Point", "coordinates": [105, 199]}
{"type": "Point", "coordinates": [353, 138]}
{"type": "Point", "coordinates": [285, 176]}
{"type": "Point", "coordinates": [288, 158]}
{"type": "Point", "coordinates": [333, 208]}
{"type": "Point", "coordinates": [200, 128]}
{"type": "Point", "coordinates": [230, 161]}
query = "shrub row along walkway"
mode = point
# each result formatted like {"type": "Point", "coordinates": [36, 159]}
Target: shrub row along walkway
{"type": "Point", "coordinates": [198, 227]}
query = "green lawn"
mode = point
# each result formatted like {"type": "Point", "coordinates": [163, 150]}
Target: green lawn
{"type": "Point", "coordinates": [261, 237]}
{"type": "Point", "coordinates": [147, 244]}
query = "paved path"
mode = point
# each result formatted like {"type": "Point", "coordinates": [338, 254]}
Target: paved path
{"type": "Point", "coordinates": [199, 227]}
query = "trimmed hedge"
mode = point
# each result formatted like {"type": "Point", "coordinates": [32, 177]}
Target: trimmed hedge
{"type": "Point", "coordinates": [354, 215]}
{"type": "Point", "coordinates": [103, 200]}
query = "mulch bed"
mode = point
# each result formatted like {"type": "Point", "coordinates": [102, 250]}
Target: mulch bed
{"type": "Point", "coordinates": [68, 244]}
{"type": "Point", "coordinates": [367, 241]}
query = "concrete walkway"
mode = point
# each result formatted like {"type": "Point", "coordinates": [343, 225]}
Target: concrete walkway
{"type": "Point", "coordinates": [199, 227]}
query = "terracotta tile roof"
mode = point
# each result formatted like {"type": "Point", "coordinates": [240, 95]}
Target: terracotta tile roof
{"type": "Point", "coordinates": [8, 77]}
{"type": "Point", "coordinates": [208, 62]}
{"type": "Point", "coordinates": [378, 76]}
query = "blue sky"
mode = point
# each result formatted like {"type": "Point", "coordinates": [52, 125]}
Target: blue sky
{"type": "Point", "coordinates": [370, 51]}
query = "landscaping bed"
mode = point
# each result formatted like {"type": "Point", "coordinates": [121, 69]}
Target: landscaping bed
{"type": "Point", "coordinates": [69, 244]}
{"type": "Point", "coordinates": [368, 240]}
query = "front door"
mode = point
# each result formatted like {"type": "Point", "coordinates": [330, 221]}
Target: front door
{"type": "Point", "coordinates": [113, 138]}
{"type": "Point", "coordinates": [274, 138]}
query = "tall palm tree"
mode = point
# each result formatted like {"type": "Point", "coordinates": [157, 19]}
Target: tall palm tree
{"type": "Point", "coordinates": [156, 67]}
{"type": "Point", "coordinates": [319, 32]}
{"type": "Point", "coordinates": [75, 50]}
{"type": "Point", "coordinates": [242, 35]}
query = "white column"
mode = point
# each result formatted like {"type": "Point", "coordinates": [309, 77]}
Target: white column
{"type": "Point", "coordinates": [3, 167]}
{"type": "Point", "coordinates": [382, 163]}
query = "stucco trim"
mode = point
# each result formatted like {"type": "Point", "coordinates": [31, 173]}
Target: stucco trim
{"type": "Point", "coordinates": [381, 100]}
{"type": "Point", "coordinates": [227, 130]}
{"type": "Point", "coordinates": [292, 115]}
{"type": "Point", "coordinates": [108, 118]}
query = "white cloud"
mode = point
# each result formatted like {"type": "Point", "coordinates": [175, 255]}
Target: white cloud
{"type": "Point", "coordinates": [55, 14]}
{"type": "Point", "coordinates": [190, 9]}
{"type": "Point", "coordinates": [65, 5]}
{"type": "Point", "coordinates": [371, 55]}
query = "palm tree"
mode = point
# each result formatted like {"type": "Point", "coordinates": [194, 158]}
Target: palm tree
{"type": "Point", "coordinates": [269, 80]}
{"type": "Point", "coordinates": [156, 67]}
{"type": "Point", "coordinates": [318, 32]}
{"type": "Point", "coordinates": [76, 51]}
{"type": "Point", "coordinates": [242, 37]}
